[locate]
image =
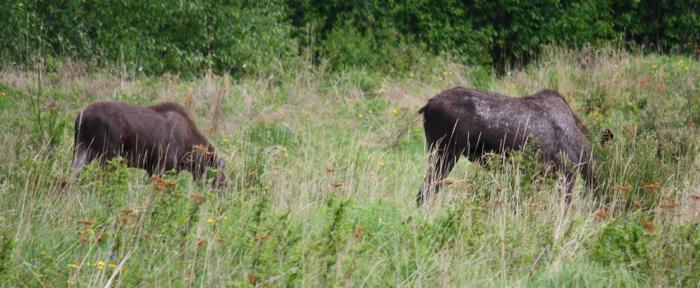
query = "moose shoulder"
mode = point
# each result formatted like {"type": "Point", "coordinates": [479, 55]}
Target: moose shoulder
{"type": "Point", "coordinates": [156, 138]}
{"type": "Point", "coordinates": [469, 122]}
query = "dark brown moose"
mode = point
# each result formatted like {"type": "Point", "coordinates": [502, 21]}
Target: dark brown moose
{"type": "Point", "coordinates": [156, 138]}
{"type": "Point", "coordinates": [469, 122]}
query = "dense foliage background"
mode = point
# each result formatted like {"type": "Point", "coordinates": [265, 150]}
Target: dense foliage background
{"type": "Point", "coordinates": [250, 37]}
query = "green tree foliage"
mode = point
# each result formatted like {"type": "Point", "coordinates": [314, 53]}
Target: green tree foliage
{"type": "Point", "coordinates": [249, 37]}
{"type": "Point", "coordinates": [150, 36]}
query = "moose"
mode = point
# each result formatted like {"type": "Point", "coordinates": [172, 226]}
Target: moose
{"type": "Point", "coordinates": [473, 123]}
{"type": "Point", "coordinates": [156, 138]}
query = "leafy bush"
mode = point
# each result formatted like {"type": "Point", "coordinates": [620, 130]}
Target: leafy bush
{"type": "Point", "coordinates": [622, 242]}
{"type": "Point", "coordinates": [244, 37]}
{"type": "Point", "coordinates": [152, 37]}
{"type": "Point", "coordinates": [501, 33]}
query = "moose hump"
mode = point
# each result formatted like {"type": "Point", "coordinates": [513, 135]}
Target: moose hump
{"type": "Point", "coordinates": [156, 138]}
{"type": "Point", "coordinates": [469, 122]}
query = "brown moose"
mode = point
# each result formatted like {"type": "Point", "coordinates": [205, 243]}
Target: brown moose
{"type": "Point", "coordinates": [469, 122]}
{"type": "Point", "coordinates": [156, 138]}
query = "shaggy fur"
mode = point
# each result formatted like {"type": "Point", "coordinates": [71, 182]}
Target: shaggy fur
{"type": "Point", "coordinates": [469, 122]}
{"type": "Point", "coordinates": [156, 138]}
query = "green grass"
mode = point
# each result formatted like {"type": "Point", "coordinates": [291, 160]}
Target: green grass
{"type": "Point", "coordinates": [324, 168]}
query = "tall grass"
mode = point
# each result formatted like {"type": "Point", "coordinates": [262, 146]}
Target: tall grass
{"type": "Point", "coordinates": [324, 167]}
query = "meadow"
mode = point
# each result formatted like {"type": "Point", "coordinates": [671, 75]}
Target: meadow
{"type": "Point", "coordinates": [324, 167]}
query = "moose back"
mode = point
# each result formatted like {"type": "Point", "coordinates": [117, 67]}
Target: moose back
{"type": "Point", "coordinates": [469, 122]}
{"type": "Point", "coordinates": [156, 138]}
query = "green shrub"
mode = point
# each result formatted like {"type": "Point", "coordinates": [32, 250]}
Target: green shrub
{"type": "Point", "coordinates": [502, 33]}
{"type": "Point", "coordinates": [623, 242]}
{"type": "Point", "coordinates": [249, 37]}
{"type": "Point", "coordinates": [151, 37]}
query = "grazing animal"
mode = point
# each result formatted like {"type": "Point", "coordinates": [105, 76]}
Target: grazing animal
{"type": "Point", "coordinates": [469, 122]}
{"type": "Point", "coordinates": [156, 138]}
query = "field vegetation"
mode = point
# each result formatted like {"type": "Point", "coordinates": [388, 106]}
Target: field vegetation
{"type": "Point", "coordinates": [324, 165]}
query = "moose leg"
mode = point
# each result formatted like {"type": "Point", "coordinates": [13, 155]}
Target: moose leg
{"type": "Point", "coordinates": [442, 161]}
{"type": "Point", "coordinates": [166, 159]}
{"type": "Point", "coordinates": [585, 165]}
{"type": "Point", "coordinates": [569, 179]}
{"type": "Point", "coordinates": [550, 156]}
{"type": "Point", "coordinates": [105, 157]}
{"type": "Point", "coordinates": [580, 155]}
{"type": "Point", "coordinates": [110, 148]}
{"type": "Point", "coordinates": [220, 180]}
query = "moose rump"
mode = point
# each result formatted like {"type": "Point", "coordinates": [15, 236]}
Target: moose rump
{"type": "Point", "coordinates": [469, 122]}
{"type": "Point", "coordinates": [156, 138]}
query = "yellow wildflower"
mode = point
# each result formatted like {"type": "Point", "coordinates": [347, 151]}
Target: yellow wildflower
{"type": "Point", "coordinates": [73, 266]}
{"type": "Point", "coordinates": [86, 231]}
{"type": "Point", "coordinates": [100, 265]}
{"type": "Point", "coordinates": [211, 220]}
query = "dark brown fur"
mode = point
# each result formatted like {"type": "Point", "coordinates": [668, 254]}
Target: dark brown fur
{"type": "Point", "coordinates": [469, 122]}
{"type": "Point", "coordinates": [156, 138]}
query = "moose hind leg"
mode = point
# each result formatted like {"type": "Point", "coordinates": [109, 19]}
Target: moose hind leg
{"type": "Point", "coordinates": [442, 161]}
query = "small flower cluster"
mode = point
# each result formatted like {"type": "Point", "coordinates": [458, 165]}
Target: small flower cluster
{"type": "Point", "coordinates": [214, 220]}
{"type": "Point", "coordinates": [99, 265]}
